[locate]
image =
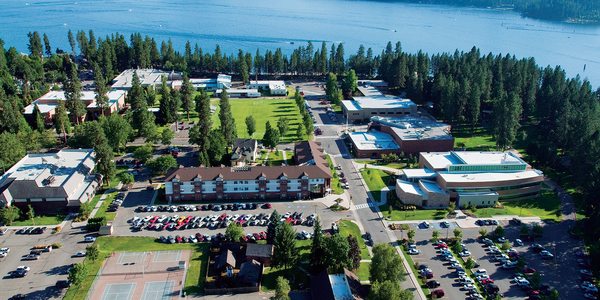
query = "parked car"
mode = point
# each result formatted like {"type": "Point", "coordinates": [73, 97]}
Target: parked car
{"type": "Point", "coordinates": [439, 293]}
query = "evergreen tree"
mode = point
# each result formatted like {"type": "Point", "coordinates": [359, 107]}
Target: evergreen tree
{"type": "Point", "coordinates": [35, 44]}
{"type": "Point", "coordinates": [168, 104]}
{"type": "Point", "coordinates": [71, 41]}
{"type": "Point", "coordinates": [47, 45]}
{"type": "Point", "coordinates": [282, 125]}
{"type": "Point", "coordinates": [187, 90]}
{"type": "Point", "coordinates": [331, 89]}
{"type": "Point", "coordinates": [62, 125]}
{"type": "Point", "coordinates": [39, 123]}
{"type": "Point", "coordinates": [101, 89]}
{"type": "Point", "coordinates": [72, 89]}
{"type": "Point", "coordinates": [317, 252]}
{"type": "Point", "coordinates": [350, 84]}
{"type": "Point", "coordinates": [228, 129]}
{"type": "Point", "coordinates": [250, 125]}
{"type": "Point", "coordinates": [216, 147]}
{"type": "Point", "coordinates": [273, 225]}
{"type": "Point", "coordinates": [199, 133]}
{"type": "Point", "coordinates": [285, 252]}
{"type": "Point", "coordinates": [271, 137]}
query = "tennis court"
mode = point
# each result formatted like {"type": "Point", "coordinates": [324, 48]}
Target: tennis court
{"type": "Point", "coordinates": [118, 291]}
{"type": "Point", "coordinates": [155, 275]}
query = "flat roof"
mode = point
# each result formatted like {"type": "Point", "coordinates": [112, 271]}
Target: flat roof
{"type": "Point", "coordinates": [41, 166]}
{"type": "Point", "coordinates": [409, 188]}
{"type": "Point", "coordinates": [415, 128]}
{"type": "Point", "coordinates": [442, 160]}
{"type": "Point", "coordinates": [239, 91]}
{"type": "Point", "coordinates": [418, 173]}
{"type": "Point", "coordinates": [54, 97]}
{"type": "Point", "coordinates": [373, 140]}
{"type": "Point", "coordinates": [432, 186]}
{"type": "Point", "coordinates": [272, 84]}
{"type": "Point", "coordinates": [380, 102]}
{"type": "Point", "coordinates": [146, 76]}
{"type": "Point", "coordinates": [369, 91]}
{"type": "Point", "coordinates": [488, 177]}
{"type": "Point", "coordinates": [44, 108]}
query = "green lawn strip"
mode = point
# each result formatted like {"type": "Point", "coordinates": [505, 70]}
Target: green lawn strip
{"type": "Point", "coordinates": [350, 228]}
{"type": "Point", "coordinates": [413, 215]}
{"type": "Point", "coordinates": [295, 275]}
{"type": "Point", "coordinates": [110, 216]}
{"type": "Point", "coordinates": [336, 186]}
{"type": "Point", "coordinates": [196, 270]}
{"type": "Point", "coordinates": [262, 110]}
{"type": "Point", "coordinates": [40, 221]}
{"type": "Point", "coordinates": [546, 206]}
{"type": "Point", "coordinates": [275, 158]}
{"type": "Point", "coordinates": [375, 179]}
{"type": "Point", "coordinates": [421, 280]}
{"type": "Point", "coordinates": [363, 271]}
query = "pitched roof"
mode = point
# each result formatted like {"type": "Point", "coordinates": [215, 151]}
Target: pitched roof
{"type": "Point", "coordinates": [247, 173]}
{"type": "Point", "coordinates": [259, 250]}
{"type": "Point", "coordinates": [307, 152]}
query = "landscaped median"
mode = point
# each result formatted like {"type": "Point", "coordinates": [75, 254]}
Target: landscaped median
{"type": "Point", "coordinates": [195, 273]}
{"type": "Point", "coordinates": [413, 267]}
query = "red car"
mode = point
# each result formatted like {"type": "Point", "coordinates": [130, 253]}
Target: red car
{"type": "Point", "coordinates": [441, 246]}
{"type": "Point", "coordinates": [439, 293]}
{"type": "Point", "coordinates": [487, 281]}
{"type": "Point", "coordinates": [222, 217]}
{"type": "Point", "coordinates": [529, 271]}
{"type": "Point", "coordinates": [263, 235]}
{"type": "Point", "coordinates": [267, 205]}
{"type": "Point", "coordinates": [178, 239]}
{"type": "Point", "coordinates": [153, 220]}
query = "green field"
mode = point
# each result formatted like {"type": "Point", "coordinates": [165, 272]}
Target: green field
{"type": "Point", "coordinates": [413, 215]}
{"type": "Point", "coordinates": [194, 281]}
{"type": "Point", "coordinates": [547, 207]}
{"type": "Point", "coordinates": [478, 139]}
{"type": "Point", "coordinates": [350, 228]}
{"type": "Point", "coordinates": [110, 216]}
{"type": "Point", "coordinates": [262, 110]}
{"type": "Point", "coordinates": [363, 271]}
{"type": "Point", "coordinates": [375, 179]}
{"type": "Point", "coordinates": [39, 220]}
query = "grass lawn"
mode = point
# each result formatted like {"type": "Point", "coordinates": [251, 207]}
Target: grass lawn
{"type": "Point", "coordinates": [195, 274]}
{"type": "Point", "coordinates": [350, 228]}
{"type": "Point", "coordinates": [263, 110]}
{"type": "Point", "coordinates": [336, 186]}
{"type": "Point", "coordinates": [40, 220]}
{"type": "Point", "coordinates": [363, 271]}
{"type": "Point", "coordinates": [479, 139]}
{"type": "Point", "coordinates": [296, 276]}
{"type": "Point", "coordinates": [375, 179]}
{"type": "Point", "coordinates": [110, 216]}
{"type": "Point", "coordinates": [547, 207]}
{"type": "Point", "coordinates": [419, 214]}
{"type": "Point", "coordinates": [395, 165]}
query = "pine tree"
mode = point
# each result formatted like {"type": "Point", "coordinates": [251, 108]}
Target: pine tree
{"type": "Point", "coordinates": [250, 125]}
{"type": "Point", "coordinates": [274, 223]}
{"type": "Point", "coordinates": [71, 41]}
{"type": "Point", "coordinates": [47, 45]}
{"type": "Point", "coordinates": [271, 137]}
{"type": "Point", "coordinates": [282, 125]}
{"type": "Point", "coordinates": [101, 90]}
{"type": "Point", "coordinates": [39, 124]}
{"type": "Point", "coordinates": [187, 90]}
{"type": "Point", "coordinates": [317, 252]}
{"type": "Point", "coordinates": [199, 133]}
{"type": "Point", "coordinates": [228, 129]}
{"type": "Point", "coordinates": [61, 121]}
{"type": "Point", "coordinates": [72, 88]}
{"type": "Point", "coordinates": [350, 84]}
{"type": "Point", "coordinates": [35, 44]}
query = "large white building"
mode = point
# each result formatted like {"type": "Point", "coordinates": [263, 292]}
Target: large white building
{"type": "Point", "coordinates": [272, 87]}
{"type": "Point", "coordinates": [148, 77]}
{"type": "Point", "coordinates": [361, 109]}
{"type": "Point", "coordinates": [222, 81]}
{"type": "Point", "coordinates": [51, 182]}
{"type": "Point", "coordinates": [471, 178]}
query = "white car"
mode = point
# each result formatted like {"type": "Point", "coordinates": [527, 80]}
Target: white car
{"type": "Point", "coordinates": [468, 287]}
{"type": "Point", "coordinates": [3, 254]}
{"type": "Point", "coordinates": [465, 253]}
{"type": "Point", "coordinates": [89, 239]}
{"type": "Point", "coordinates": [480, 272]}
{"type": "Point", "coordinates": [523, 282]}
{"type": "Point", "coordinates": [589, 288]}
{"type": "Point", "coordinates": [80, 254]}
{"type": "Point", "coordinates": [4, 250]}
{"type": "Point", "coordinates": [413, 251]}
{"type": "Point", "coordinates": [23, 268]}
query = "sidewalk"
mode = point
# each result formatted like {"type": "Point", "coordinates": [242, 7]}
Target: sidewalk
{"type": "Point", "coordinates": [469, 222]}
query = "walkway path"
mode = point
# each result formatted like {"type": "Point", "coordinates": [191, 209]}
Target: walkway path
{"type": "Point", "coordinates": [384, 168]}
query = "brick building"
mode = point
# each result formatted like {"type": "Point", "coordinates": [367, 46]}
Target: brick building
{"type": "Point", "coordinates": [311, 178]}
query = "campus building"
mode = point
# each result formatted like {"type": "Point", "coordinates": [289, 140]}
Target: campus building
{"type": "Point", "coordinates": [51, 182]}
{"type": "Point", "coordinates": [222, 81]}
{"type": "Point", "coordinates": [49, 102]}
{"type": "Point", "coordinates": [471, 178]}
{"type": "Point", "coordinates": [415, 134]}
{"type": "Point", "coordinates": [244, 152]}
{"type": "Point", "coordinates": [148, 77]}
{"type": "Point", "coordinates": [310, 178]}
{"type": "Point", "coordinates": [372, 144]}
{"type": "Point", "coordinates": [361, 109]}
{"type": "Point", "coordinates": [271, 87]}
{"type": "Point", "coordinates": [239, 93]}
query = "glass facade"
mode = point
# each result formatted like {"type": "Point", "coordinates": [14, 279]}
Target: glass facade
{"type": "Point", "coordinates": [487, 168]}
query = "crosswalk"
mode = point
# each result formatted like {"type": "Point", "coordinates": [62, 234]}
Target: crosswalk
{"type": "Point", "coordinates": [364, 205]}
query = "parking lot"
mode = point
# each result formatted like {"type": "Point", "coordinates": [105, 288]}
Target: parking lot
{"type": "Point", "coordinates": [561, 273]}
{"type": "Point", "coordinates": [135, 199]}
{"type": "Point", "coordinates": [50, 267]}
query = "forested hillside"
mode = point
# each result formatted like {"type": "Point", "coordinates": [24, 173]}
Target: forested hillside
{"type": "Point", "coordinates": [579, 11]}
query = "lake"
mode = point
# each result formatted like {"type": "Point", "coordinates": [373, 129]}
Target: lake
{"type": "Point", "coordinates": [262, 24]}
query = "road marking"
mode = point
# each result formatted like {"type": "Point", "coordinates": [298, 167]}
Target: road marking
{"type": "Point", "coordinates": [364, 205]}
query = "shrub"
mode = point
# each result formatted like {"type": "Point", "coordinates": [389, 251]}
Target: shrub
{"type": "Point", "coordinates": [94, 224]}
{"type": "Point", "coordinates": [57, 229]}
{"type": "Point", "coordinates": [56, 245]}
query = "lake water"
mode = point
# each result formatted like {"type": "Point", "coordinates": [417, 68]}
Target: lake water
{"type": "Point", "coordinates": [287, 24]}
